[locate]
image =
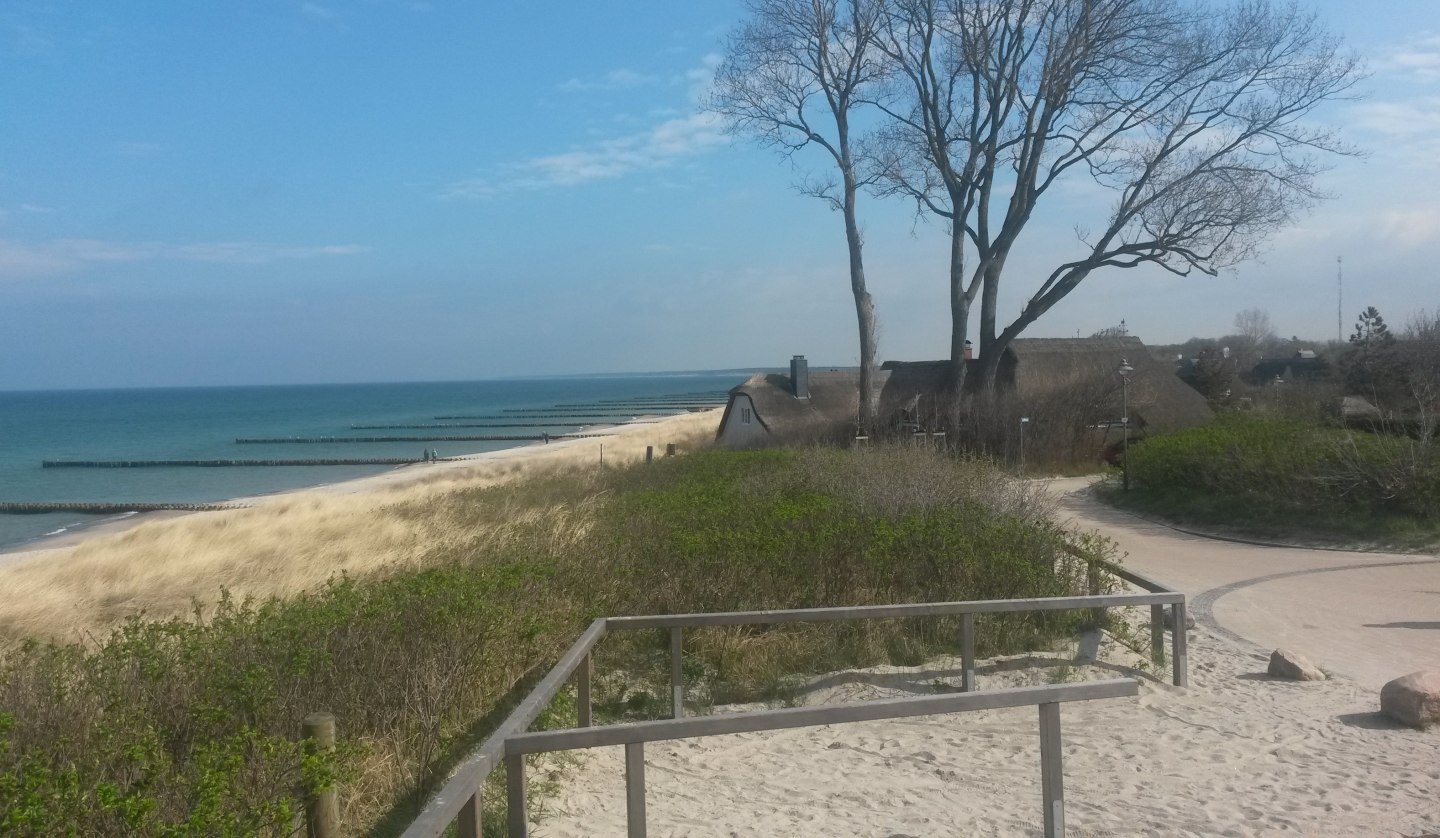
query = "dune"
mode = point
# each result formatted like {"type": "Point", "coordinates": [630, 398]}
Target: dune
{"type": "Point", "coordinates": [284, 543]}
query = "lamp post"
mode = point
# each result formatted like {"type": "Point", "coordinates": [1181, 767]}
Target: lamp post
{"type": "Point", "coordinates": [1124, 371]}
{"type": "Point", "coordinates": [1024, 420]}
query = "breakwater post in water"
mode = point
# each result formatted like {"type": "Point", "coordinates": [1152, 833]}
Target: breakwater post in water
{"type": "Point", "coordinates": [367, 461]}
{"type": "Point", "coordinates": [39, 507]}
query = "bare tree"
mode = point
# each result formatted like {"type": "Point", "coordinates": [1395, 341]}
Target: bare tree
{"type": "Point", "coordinates": [1191, 116]}
{"type": "Point", "coordinates": [794, 76]}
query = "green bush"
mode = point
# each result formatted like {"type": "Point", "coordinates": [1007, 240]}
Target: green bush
{"type": "Point", "coordinates": [1286, 467]}
{"type": "Point", "coordinates": [187, 727]}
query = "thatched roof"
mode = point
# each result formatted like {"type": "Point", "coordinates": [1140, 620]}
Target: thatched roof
{"type": "Point", "coordinates": [833, 406]}
{"type": "Point", "coordinates": [1038, 371]}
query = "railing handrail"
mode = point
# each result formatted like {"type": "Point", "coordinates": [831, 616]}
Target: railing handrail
{"type": "Point", "coordinates": [870, 612]}
{"type": "Point", "coordinates": [446, 804]}
{"type": "Point", "coordinates": [792, 717]}
{"type": "Point", "coordinates": [459, 798]}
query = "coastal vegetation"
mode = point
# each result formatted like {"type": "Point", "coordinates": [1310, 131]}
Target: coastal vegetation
{"type": "Point", "coordinates": [185, 724]}
{"type": "Point", "coordinates": [1274, 475]}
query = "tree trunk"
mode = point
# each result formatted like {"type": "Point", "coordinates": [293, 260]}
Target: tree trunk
{"type": "Point", "coordinates": [954, 384]}
{"type": "Point", "coordinates": [864, 309]}
{"type": "Point", "coordinates": [990, 348]}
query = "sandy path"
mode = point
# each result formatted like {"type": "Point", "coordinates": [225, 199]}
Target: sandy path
{"type": "Point", "coordinates": [1235, 753]}
{"type": "Point", "coordinates": [1370, 616]}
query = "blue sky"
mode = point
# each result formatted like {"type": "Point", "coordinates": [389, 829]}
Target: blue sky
{"type": "Point", "coordinates": [376, 190]}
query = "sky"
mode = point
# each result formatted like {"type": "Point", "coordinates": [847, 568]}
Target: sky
{"type": "Point", "coordinates": [272, 192]}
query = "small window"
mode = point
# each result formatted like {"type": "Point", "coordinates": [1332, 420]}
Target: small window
{"type": "Point", "coordinates": [744, 415]}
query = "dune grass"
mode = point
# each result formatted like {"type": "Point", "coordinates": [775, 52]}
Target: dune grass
{"type": "Point", "coordinates": [185, 724]}
{"type": "Point", "coordinates": [295, 542]}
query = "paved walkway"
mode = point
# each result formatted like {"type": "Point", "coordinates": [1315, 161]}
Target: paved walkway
{"type": "Point", "coordinates": [1369, 616]}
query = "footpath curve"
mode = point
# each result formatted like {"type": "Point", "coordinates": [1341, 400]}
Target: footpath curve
{"type": "Point", "coordinates": [1369, 616]}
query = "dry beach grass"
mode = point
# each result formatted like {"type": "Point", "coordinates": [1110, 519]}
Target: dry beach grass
{"type": "Point", "coordinates": [292, 542]}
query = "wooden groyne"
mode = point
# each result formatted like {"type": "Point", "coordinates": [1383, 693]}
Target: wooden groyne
{"type": "Point", "coordinates": [486, 425]}
{"type": "Point", "coordinates": [326, 440]}
{"type": "Point", "coordinates": [40, 507]}
{"type": "Point", "coordinates": [365, 461]}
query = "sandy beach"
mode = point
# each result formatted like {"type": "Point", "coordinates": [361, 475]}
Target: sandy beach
{"type": "Point", "coordinates": [1235, 753]}
{"type": "Point", "coordinates": [88, 581]}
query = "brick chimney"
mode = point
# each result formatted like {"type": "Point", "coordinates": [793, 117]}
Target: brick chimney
{"type": "Point", "coordinates": [800, 376]}
{"type": "Point", "coordinates": [969, 350]}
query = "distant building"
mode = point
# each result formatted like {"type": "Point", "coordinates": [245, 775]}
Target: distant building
{"type": "Point", "coordinates": [1304, 365]}
{"type": "Point", "coordinates": [1035, 374]}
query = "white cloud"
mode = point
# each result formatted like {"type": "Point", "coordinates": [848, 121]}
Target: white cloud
{"type": "Point", "coordinates": [1408, 129]}
{"type": "Point", "coordinates": [621, 79]}
{"type": "Point", "coordinates": [664, 145]}
{"type": "Point", "coordinates": [1412, 226]}
{"type": "Point", "coordinates": [698, 79]}
{"type": "Point", "coordinates": [1418, 59]}
{"type": "Point", "coordinates": [20, 259]}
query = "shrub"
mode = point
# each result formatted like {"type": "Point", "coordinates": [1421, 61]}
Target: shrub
{"type": "Point", "coordinates": [188, 726]}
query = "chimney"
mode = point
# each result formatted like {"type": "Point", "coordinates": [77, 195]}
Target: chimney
{"type": "Point", "coordinates": [969, 350]}
{"type": "Point", "coordinates": [800, 376]}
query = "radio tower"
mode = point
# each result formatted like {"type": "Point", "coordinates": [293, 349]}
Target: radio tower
{"type": "Point", "coordinates": [1339, 301]}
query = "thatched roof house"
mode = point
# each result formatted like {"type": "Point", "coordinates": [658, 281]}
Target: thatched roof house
{"type": "Point", "coordinates": [803, 406]}
{"type": "Point", "coordinates": [1071, 381]}
{"type": "Point", "coordinates": [1043, 375]}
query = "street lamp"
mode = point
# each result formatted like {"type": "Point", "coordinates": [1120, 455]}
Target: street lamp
{"type": "Point", "coordinates": [1124, 371]}
{"type": "Point", "coordinates": [1024, 420]}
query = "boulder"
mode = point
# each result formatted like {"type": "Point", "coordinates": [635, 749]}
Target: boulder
{"type": "Point", "coordinates": [1170, 619]}
{"type": "Point", "coordinates": [1413, 699]}
{"type": "Point", "coordinates": [1287, 664]}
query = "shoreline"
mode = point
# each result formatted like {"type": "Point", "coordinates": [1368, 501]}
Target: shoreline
{"type": "Point", "coordinates": [396, 477]}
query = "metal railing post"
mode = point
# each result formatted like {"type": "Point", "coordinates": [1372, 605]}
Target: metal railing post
{"type": "Point", "coordinates": [1052, 770]}
{"type": "Point", "coordinates": [677, 675]}
{"type": "Point", "coordinates": [1157, 634]}
{"type": "Point", "coordinates": [1177, 639]}
{"type": "Point", "coordinates": [967, 653]}
{"type": "Point", "coordinates": [635, 789]}
{"type": "Point", "coordinates": [582, 693]}
{"type": "Point", "coordinates": [517, 820]}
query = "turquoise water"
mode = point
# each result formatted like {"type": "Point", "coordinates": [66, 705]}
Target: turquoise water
{"type": "Point", "coordinates": [203, 423]}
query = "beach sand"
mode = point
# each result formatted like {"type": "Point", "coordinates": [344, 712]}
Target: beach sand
{"type": "Point", "coordinates": [1236, 753]}
{"type": "Point", "coordinates": [283, 543]}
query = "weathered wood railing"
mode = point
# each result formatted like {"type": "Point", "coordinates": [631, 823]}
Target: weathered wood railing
{"type": "Point", "coordinates": [459, 802]}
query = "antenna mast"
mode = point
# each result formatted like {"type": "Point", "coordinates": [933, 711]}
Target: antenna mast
{"type": "Point", "coordinates": [1339, 301]}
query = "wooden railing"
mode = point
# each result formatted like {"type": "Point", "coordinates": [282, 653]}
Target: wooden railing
{"type": "Point", "coordinates": [460, 801]}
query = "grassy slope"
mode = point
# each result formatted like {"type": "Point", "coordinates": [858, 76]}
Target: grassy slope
{"type": "Point", "coordinates": [185, 724]}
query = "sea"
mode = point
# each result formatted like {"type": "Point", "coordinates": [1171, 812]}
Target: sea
{"type": "Point", "coordinates": [203, 423]}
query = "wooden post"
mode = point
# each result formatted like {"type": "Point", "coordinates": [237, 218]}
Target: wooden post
{"type": "Point", "coordinates": [322, 810]}
{"type": "Point", "coordinates": [635, 789]}
{"type": "Point", "coordinates": [649, 453]}
{"type": "Point", "coordinates": [669, 449]}
{"type": "Point", "coordinates": [1157, 634]}
{"type": "Point", "coordinates": [1052, 770]}
{"type": "Point", "coordinates": [967, 653]}
{"type": "Point", "coordinates": [1177, 640]}
{"type": "Point", "coordinates": [677, 675]}
{"type": "Point", "coordinates": [1092, 581]}
{"type": "Point", "coordinates": [517, 820]}
{"type": "Point", "coordinates": [582, 693]}
{"type": "Point", "coordinates": [468, 824]}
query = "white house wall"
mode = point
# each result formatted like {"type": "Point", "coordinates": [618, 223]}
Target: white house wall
{"type": "Point", "coordinates": [737, 431]}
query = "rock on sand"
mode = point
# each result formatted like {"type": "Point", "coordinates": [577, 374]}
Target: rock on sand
{"type": "Point", "coordinates": [1287, 664]}
{"type": "Point", "coordinates": [1413, 699]}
